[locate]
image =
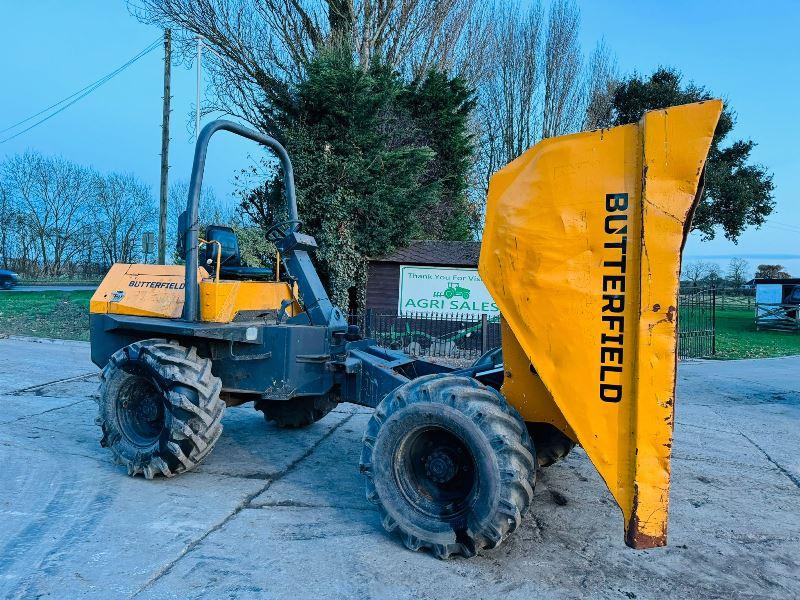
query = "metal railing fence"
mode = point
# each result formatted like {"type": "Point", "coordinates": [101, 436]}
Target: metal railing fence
{"type": "Point", "coordinates": [470, 336]}
{"type": "Point", "coordinates": [433, 335]}
{"type": "Point", "coordinates": [697, 323]}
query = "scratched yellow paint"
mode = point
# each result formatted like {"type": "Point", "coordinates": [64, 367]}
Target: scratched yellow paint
{"type": "Point", "coordinates": [221, 302]}
{"type": "Point", "coordinates": [157, 291]}
{"type": "Point", "coordinates": [524, 389]}
{"type": "Point", "coordinates": [570, 217]}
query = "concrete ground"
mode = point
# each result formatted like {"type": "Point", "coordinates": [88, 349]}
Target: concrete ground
{"type": "Point", "coordinates": [280, 514]}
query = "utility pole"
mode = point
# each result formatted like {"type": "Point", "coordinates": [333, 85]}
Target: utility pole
{"type": "Point", "coordinates": [162, 209]}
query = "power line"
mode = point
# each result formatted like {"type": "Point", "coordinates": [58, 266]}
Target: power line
{"type": "Point", "coordinates": [782, 226]}
{"type": "Point", "coordinates": [91, 86]}
{"type": "Point", "coordinates": [80, 94]}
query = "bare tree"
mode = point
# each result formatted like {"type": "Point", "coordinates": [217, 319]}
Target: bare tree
{"type": "Point", "coordinates": [59, 218]}
{"type": "Point", "coordinates": [695, 272]}
{"type": "Point", "coordinates": [536, 86]}
{"type": "Point", "coordinates": [509, 99]}
{"type": "Point", "coordinates": [15, 241]}
{"type": "Point", "coordinates": [713, 274]}
{"type": "Point", "coordinates": [603, 79]}
{"type": "Point", "coordinates": [259, 46]}
{"type": "Point", "coordinates": [8, 215]}
{"type": "Point", "coordinates": [53, 194]}
{"type": "Point", "coordinates": [563, 105]}
{"type": "Point", "coordinates": [738, 270]}
{"type": "Point", "coordinates": [123, 209]}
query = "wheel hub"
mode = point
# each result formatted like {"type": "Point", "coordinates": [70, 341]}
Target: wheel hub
{"type": "Point", "coordinates": [436, 472]}
{"type": "Point", "coordinates": [440, 466]}
{"type": "Point", "coordinates": [141, 411]}
{"type": "Point", "coordinates": [145, 410]}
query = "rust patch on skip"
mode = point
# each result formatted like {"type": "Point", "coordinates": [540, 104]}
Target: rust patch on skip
{"type": "Point", "coordinates": [636, 538]}
{"type": "Point", "coordinates": [671, 314]}
{"type": "Point", "coordinates": [641, 541]}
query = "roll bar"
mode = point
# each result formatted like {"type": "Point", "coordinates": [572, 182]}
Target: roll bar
{"type": "Point", "coordinates": [188, 223]}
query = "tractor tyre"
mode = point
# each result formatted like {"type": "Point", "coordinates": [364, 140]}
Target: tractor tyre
{"type": "Point", "coordinates": [160, 408]}
{"type": "Point", "coordinates": [297, 413]}
{"type": "Point", "coordinates": [449, 464]}
{"type": "Point", "coordinates": [551, 445]}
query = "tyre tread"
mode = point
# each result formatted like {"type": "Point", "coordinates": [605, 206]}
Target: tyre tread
{"type": "Point", "coordinates": [194, 424]}
{"type": "Point", "coordinates": [503, 428]}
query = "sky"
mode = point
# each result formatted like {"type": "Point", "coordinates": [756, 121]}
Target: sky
{"type": "Point", "coordinates": [743, 51]}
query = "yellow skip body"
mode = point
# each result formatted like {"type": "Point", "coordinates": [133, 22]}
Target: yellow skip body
{"type": "Point", "coordinates": [581, 252]}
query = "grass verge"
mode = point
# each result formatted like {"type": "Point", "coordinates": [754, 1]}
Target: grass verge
{"type": "Point", "coordinates": [737, 338]}
{"type": "Point", "coordinates": [50, 314]}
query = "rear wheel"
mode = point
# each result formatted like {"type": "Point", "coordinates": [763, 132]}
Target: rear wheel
{"type": "Point", "coordinates": [296, 413]}
{"type": "Point", "coordinates": [159, 408]}
{"type": "Point", "coordinates": [450, 465]}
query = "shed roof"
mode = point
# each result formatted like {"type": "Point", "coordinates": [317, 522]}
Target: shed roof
{"type": "Point", "coordinates": [435, 252]}
{"type": "Point", "coordinates": [788, 281]}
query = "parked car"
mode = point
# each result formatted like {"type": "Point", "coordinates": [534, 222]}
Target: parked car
{"type": "Point", "coordinates": [8, 279]}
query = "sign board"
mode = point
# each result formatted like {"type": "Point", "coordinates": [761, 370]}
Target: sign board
{"type": "Point", "coordinates": [444, 291]}
{"type": "Point", "coordinates": [148, 242]}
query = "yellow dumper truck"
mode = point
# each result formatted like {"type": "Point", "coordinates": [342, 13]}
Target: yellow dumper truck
{"type": "Point", "coordinates": [581, 251]}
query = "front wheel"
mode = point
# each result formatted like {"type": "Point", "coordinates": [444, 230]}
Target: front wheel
{"type": "Point", "coordinates": [449, 464]}
{"type": "Point", "coordinates": [159, 408]}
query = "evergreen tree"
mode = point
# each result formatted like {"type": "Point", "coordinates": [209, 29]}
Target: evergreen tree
{"type": "Point", "coordinates": [377, 163]}
{"type": "Point", "coordinates": [441, 108]}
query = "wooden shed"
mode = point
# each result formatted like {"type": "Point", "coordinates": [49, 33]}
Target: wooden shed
{"type": "Point", "coordinates": [445, 261]}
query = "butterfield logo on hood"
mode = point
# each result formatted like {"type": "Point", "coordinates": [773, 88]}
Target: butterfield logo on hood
{"type": "Point", "coordinates": [161, 285]}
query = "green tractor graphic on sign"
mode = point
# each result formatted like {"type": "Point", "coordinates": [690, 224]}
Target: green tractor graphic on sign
{"type": "Point", "coordinates": [454, 289]}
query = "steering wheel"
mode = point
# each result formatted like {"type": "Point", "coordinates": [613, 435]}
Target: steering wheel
{"type": "Point", "coordinates": [280, 230]}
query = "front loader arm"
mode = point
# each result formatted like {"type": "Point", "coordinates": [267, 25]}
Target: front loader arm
{"type": "Point", "coordinates": [582, 253]}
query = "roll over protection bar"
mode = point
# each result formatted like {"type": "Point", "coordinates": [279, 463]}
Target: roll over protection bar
{"type": "Point", "coordinates": [188, 233]}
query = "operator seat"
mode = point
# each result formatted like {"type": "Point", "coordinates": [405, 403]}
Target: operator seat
{"type": "Point", "coordinates": [231, 266]}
